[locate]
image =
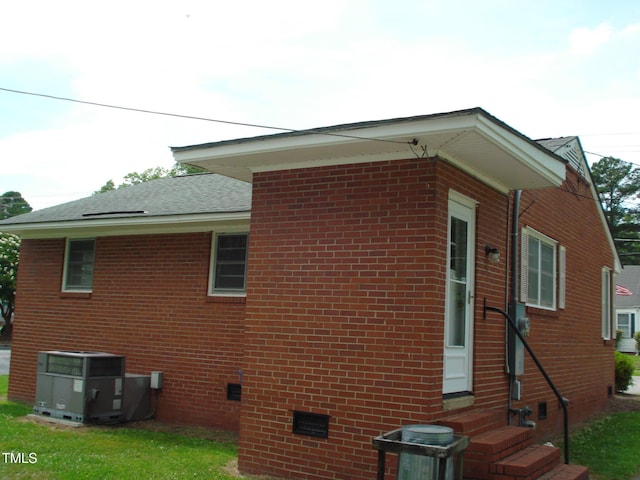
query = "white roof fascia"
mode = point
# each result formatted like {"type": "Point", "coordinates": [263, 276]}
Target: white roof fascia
{"type": "Point", "coordinates": [383, 142]}
{"type": "Point", "coordinates": [132, 226]}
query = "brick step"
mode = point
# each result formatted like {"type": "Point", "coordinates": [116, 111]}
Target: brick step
{"type": "Point", "coordinates": [475, 422]}
{"type": "Point", "coordinates": [567, 472]}
{"type": "Point", "coordinates": [528, 464]}
{"type": "Point", "coordinates": [492, 446]}
{"type": "Point", "coordinates": [499, 443]}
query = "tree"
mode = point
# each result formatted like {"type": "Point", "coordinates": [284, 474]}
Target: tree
{"type": "Point", "coordinates": [618, 185]}
{"type": "Point", "coordinates": [9, 255]}
{"type": "Point", "coordinates": [11, 204]}
{"type": "Point", "coordinates": [134, 178]}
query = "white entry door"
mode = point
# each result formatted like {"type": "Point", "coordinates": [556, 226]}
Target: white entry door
{"type": "Point", "coordinates": [458, 325]}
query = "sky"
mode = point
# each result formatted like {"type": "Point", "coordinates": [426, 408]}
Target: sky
{"type": "Point", "coordinates": [546, 68]}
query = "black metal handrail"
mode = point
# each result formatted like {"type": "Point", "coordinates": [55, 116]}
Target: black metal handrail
{"type": "Point", "coordinates": [561, 399]}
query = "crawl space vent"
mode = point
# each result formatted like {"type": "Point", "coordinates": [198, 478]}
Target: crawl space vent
{"type": "Point", "coordinates": [234, 391]}
{"type": "Point", "coordinates": [311, 424]}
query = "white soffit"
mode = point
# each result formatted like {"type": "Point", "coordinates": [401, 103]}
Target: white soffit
{"type": "Point", "coordinates": [472, 140]}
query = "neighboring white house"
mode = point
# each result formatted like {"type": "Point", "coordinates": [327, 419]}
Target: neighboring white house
{"type": "Point", "coordinates": [628, 306]}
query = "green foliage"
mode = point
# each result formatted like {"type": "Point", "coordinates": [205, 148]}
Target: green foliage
{"type": "Point", "coordinates": [618, 184]}
{"type": "Point", "coordinates": [636, 337]}
{"type": "Point", "coordinates": [9, 256]}
{"type": "Point", "coordinates": [134, 178]}
{"type": "Point", "coordinates": [624, 371]}
{"type": "Point", "coordinates": [12, 204]}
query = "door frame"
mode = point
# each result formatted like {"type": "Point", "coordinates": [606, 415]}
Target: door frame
{"type": "Point", "coordinates": [463, 207]}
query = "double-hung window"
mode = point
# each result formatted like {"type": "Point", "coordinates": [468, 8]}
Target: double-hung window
{"type": "Point", "coordinates": [539, 273]}
{"type": "Point", "coordinates": [625, 323]}
{"type": "Point", "coordinates": [229, 264]}
{"type": "Point", "coordinates": [78, 265]}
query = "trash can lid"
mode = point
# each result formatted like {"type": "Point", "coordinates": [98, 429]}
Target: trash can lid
{"type": "Point", "coordinates": [427, 434]}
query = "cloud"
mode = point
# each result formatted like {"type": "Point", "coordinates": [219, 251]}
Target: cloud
{"type": "Point", "coordinates": [583, 41]}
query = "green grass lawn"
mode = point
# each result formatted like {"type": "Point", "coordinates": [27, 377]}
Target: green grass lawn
{"type": "Point", "coordinates": [4, 384]}
{"type": "Point", "coordinates": [636, 364]}
{"type": "Point", "coordinates": [123, 452]}
{"type": "Point", "coordinates": [609, 446]}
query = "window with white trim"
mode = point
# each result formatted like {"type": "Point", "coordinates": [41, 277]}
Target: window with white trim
{"type": "Point", "coordinates": [78, 265]}
{"type": "Point", "coordinates": [229, 264]}
{"type": "Point", "coordinates": [607, 295]}
{"type": "Point", "coordinates": [625, 323]}
{"type": "Point", "coordinates": [539, 271]}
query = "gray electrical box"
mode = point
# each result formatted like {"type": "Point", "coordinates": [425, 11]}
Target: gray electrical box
{"type": "Point", "coordinates": [82, 387]}
{"type": "Point", "coordinates": [137, 397]}
{"type": "Point", "coordinates": [515, 348]}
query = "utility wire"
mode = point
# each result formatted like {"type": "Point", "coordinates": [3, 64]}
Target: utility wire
{"type": "Point", "coordinates": [191, 117]}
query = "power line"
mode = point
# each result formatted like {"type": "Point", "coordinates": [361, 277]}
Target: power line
{"type": "Point", "coordinates": [608, 134]}
{"type": "Point", "coordinates": [191, 117]}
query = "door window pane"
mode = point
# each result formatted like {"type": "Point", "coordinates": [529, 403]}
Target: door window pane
{"type": "Point", "coordinates": [458, 249]}
{"type": "Point", "coordinates": [458, 282]}
{"type": "Point", "coordinates": [457, 314]}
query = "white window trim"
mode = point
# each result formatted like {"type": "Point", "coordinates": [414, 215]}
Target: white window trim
{"type": "Point", "coordinates": [562, 277]}
{"type": "Point", "coordinates": [212, 266]}
{"type": "Point", "coordinates": [631, 315]}
{"type": "Point", "coordinates": [606, 303]}
{"type": "Point", "coordinates": [66, 267]}
{"type": "Point", "coordinates": [559, 266]}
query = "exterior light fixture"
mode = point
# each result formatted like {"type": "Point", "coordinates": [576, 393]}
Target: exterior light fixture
{"type": "Point", "coordinates": [493, 255]}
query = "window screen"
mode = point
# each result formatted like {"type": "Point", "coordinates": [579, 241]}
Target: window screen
{"type": "Point", "coordinates": [230, 262]}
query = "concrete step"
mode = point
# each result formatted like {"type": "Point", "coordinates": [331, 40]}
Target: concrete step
{"type": "Point", "coordinates": [528, 464]}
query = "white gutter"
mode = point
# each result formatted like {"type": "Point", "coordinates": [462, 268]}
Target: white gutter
{"type": "Point", "coordinates": [104, 227]}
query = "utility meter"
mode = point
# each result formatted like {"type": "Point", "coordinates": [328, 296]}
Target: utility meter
{"type": "Point", "coordinates": [524, 325]}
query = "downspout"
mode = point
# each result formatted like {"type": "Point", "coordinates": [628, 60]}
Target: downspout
{"type": "Point", "coordinates": [514, 245]}
{"type": "Point", "coordinates": [515, 223]}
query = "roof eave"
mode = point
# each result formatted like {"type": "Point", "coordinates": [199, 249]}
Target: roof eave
{"type": "Point", "coordinates": [472, 139]}
{"type": "Point", "coordinates": [131, 226]}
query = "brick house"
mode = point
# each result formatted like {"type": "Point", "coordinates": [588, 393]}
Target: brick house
{"type": "Point", "coordinates": [339, 275]}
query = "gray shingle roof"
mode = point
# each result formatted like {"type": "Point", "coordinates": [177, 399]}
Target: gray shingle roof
{"type": "Point", "coordinates": [187, 195]}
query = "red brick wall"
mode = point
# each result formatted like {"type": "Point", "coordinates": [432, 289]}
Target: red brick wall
{"type": "Point", "coordinates": [344, 313]}
{"type": "Point", "coordinates": [150, 303]}
{"type": "Point", "coordinates": [345, 310]}
{"type": "Point", "coordinates": [569, 341]}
